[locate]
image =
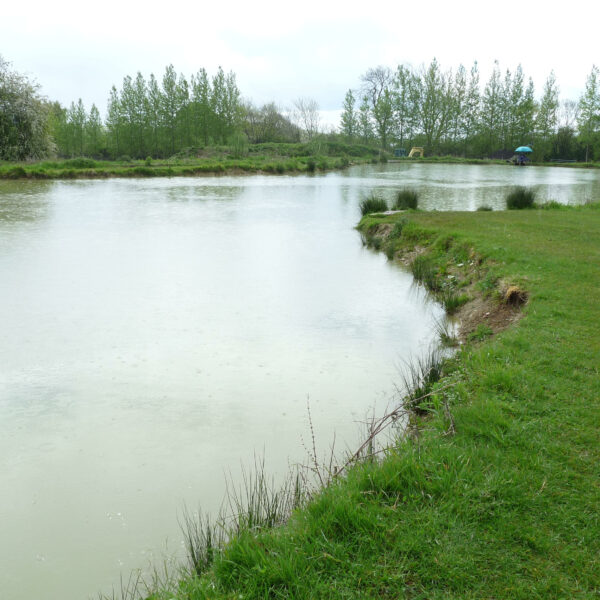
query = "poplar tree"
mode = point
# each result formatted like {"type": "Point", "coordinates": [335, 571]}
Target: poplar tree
{"type": "Point", "coordinates": [547, 117]}
{"type": "Point", "coordinates": [491, 109]}
{"type": "Point", "coordinates": [403, 103]}
{"type": "Point", "coordinates": [93, 133]}
{"type": "Point", "coordinates": [365, 126]}
{"type": "Point", "coordinates": [435, 106]}
{"type": "Point", "coordinates": [169, 107]}
{"type": "Point", "coordinates": [470, 115]}
{"type": "Point", "coordinates": [114, 122]}
{"type": "Point", "coordinates": [349, 120]}
{"type": "Point", "coordinates": [201, 107]}
{"type": "Point", "coordinates": [589, 113]}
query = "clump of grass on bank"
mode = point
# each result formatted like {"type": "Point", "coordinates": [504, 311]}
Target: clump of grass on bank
{"type": "Point", "coordinates": [406, 199]}
{"type": "Point", "coordinates": [519, 198]}
{"type": "Point", "coordinates": [372, 204]}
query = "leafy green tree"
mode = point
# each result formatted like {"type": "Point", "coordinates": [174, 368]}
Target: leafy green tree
{"type": "Point", "coordinates": [403, 104]}
{"type": "Point", "coordinates": [153, 104]}
{"type": "Point", "coordinates": [376, 84]}
{"type": "Point", "coordinates": [383, 113]}
{"type": "Point", "coordinates": [491, 111]}
{"type": "Point", "coordinates": [24, 118]}
{"type": "Point", "coordinates": [169, 108]}
{"type": "Point", "coordinates": [365, 125]}
{"type": "Point", "coordinates": [589, 114]}
{"type": "Point", "coordinates": [76, 118]}
{"type": "Point", "coordinates": [349, 120]}
{"type": "Point", "coordinates": [435, 106]}
{"type": "Point", "coordinates": [114, 123]}
{"type": "Point", "coordinates": [269, 124]}
{"type": "Point", "coordinates": [202, 115]}
{"type": "Point", "coordinates": [93, 133]}
{"type": "Point", "coordinates": [471, 114]}
{"type": "Point", "coordinates": [547, 118]}
{"type": "Point", "coordinates": [459, 98]}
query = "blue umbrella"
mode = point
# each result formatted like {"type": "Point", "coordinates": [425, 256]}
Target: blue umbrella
{"type": "Point", "coordinates": [523, 149]}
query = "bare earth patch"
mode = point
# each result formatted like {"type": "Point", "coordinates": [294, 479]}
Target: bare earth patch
{"type": "Point", "coordinates": [488, 311]}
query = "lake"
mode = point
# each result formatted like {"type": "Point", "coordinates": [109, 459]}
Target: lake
{"type": "Point", "coordinates": [159, 334]}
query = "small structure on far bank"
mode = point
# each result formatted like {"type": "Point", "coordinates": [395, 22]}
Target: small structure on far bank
{"type": "Point", "coordinates": [416, 150]}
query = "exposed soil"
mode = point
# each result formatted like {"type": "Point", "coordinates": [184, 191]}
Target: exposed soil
{"type": "Point", "coordinates": [495, 314]}
{"type": "Point", "coordinates": [497, 311]}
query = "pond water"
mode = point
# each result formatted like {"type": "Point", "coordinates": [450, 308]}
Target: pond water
{"type": "Point", "coordinates": [157, 334]}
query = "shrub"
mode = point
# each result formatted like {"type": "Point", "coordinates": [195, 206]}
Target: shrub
{"type": "Point", "coordinates": [239, 144]}
{"type": "Point", "coordinates": [148, 161]}
{"type": "Point", "coordinates": [406, 198]}
{"type": "Point", "coordinates": [372, 204]}
{"type": "Point", "coordinates": [484, 207]}
{"type": "Point", "coordinates": [16, 173]}
{"type": "Point", "coordinates": [80, 163]}
{"type": "Point", "coordinates": [520, 197]}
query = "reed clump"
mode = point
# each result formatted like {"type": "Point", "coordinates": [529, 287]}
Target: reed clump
{"type": "Point", "coordinates": [372, 204]}
{"type": "Point", "coordinates": [519, 198]}
{"type": "Point", "coordinates": [406, 198]}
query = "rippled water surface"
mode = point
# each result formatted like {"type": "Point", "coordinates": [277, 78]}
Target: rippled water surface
{"type": "Point", "coordinates": [158, 333]}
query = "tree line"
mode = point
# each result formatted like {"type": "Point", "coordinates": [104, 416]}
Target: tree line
{"type": "Point", "coordinates": [448, 112]}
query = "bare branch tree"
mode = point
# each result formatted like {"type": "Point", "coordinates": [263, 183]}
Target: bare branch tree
{"type": "Point", "coordinates": [306, 115]}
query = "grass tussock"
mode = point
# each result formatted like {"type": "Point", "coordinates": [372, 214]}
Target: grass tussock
{"type": "Point", "coordinates": [372, 204]}
{"type": "Point", "coordinates": [406, 199]}
{"type": "Point", "coordinates": [419, 376]}
{"type": "Point", "coordinates": [520, 198]}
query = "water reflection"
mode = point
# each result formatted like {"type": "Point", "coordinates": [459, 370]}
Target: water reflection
{"type": "Point", "coordinates": [466, 187]}
{"type": "Point", "coordinates": [23, 202]}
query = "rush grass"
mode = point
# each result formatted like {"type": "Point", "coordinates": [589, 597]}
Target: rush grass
{"type": "Point", "coordinates": [496, 493]}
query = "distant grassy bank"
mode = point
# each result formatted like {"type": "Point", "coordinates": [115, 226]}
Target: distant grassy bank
{"type": "Point", "coordinates": [496, 492]}
{"type": "Point", "coordinates": [257, 158]}
{"type": "Point", "coordinates": [271, 158]}
{"type": "Point", "coordinates": [493, 161]}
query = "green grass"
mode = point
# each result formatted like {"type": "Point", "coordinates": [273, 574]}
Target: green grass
{"type": "Point", "coordinates": [260, 158]}
{"type": "Point", "coordinates": [495, 494]}
{"type": "Point", "coordinates": [406, 198]}
{"type": "Point", "coordinates": [372, 204]}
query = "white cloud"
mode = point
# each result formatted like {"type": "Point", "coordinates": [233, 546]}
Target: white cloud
{"type": "Point", "coordinates": [283, 51]}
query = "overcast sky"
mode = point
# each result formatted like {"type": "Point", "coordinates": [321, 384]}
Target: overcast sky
{"type": "Point", "coordinates": [284, 50]}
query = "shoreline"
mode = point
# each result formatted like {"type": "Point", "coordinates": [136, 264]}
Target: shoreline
{"type": "Point", "coordinates": [492, 493]}
{"type": "Point", "coordinates": [262, 165]}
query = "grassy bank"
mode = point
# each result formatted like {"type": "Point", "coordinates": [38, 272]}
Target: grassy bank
{"type": "Point", "coordinates": [458, 160]}
{"type": "Point", "coordinates": [496, 492]}
{"type": "Point", "coordinates": [257, 158]}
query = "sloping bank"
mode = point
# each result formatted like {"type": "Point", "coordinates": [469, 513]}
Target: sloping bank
{"type": "Point", "coordinates": [498, 495]}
